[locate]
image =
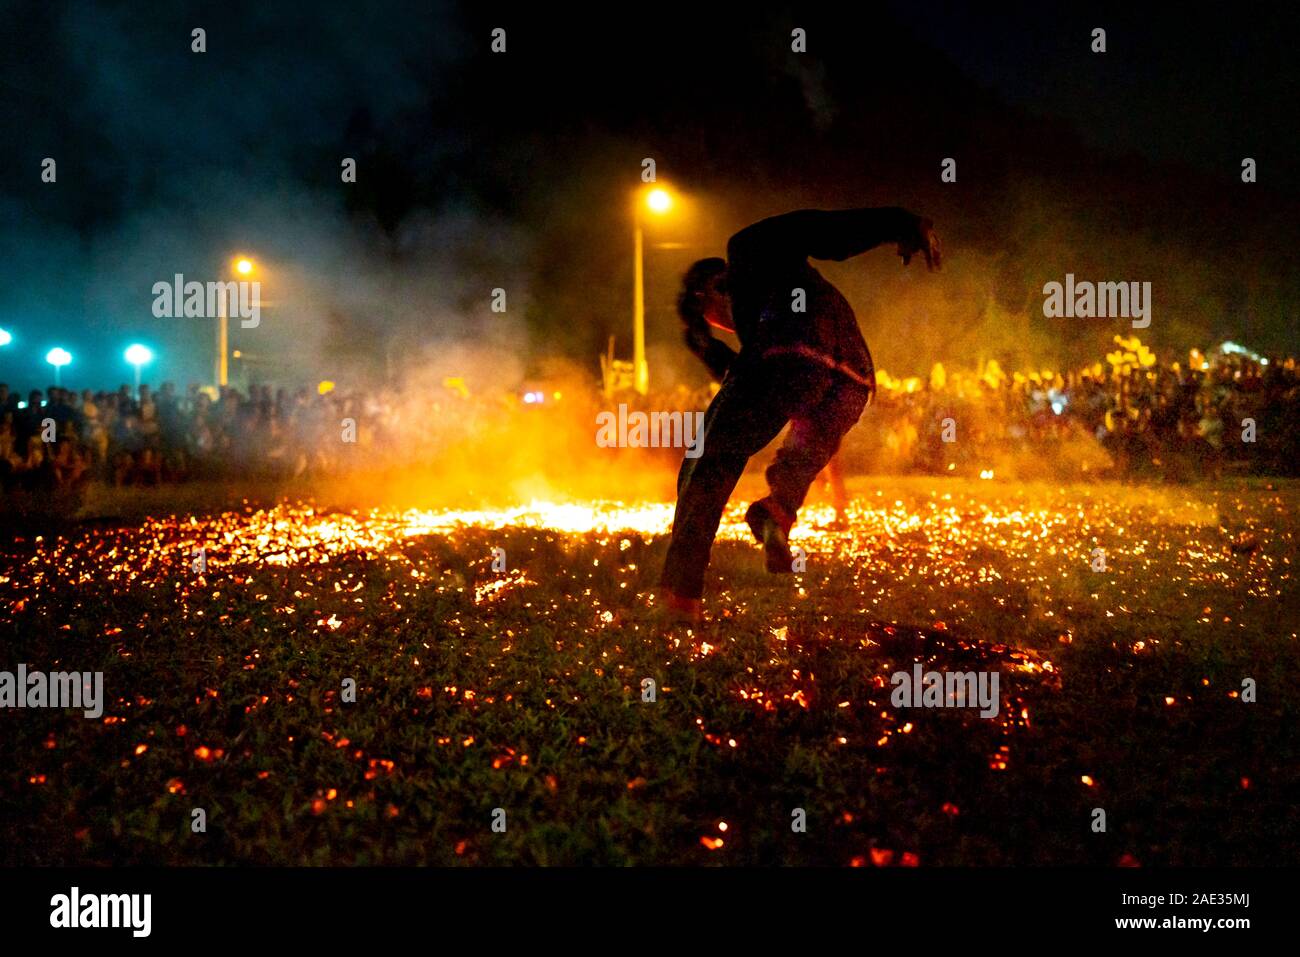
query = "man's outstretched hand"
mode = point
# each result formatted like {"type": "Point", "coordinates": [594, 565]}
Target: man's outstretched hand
{"type": "Point", "coordinates": [923, 241]}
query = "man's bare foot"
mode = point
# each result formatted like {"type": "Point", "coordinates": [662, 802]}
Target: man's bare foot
{"type": "Point", "coordinates": [683, 609]}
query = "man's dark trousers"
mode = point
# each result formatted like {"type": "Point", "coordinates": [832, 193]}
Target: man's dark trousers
{"type": "Point", "coordinates": [755, 402]}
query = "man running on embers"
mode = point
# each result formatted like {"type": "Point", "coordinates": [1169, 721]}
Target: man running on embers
{"type": "Point", "coordinates": [802, 361]}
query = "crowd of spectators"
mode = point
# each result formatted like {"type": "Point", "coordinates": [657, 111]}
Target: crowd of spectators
{"type": "Point", "coordinates": [1180, 419]}
{"type": "Point", "coordinates": [1227, 410]}
{"type": "Point", "coordinates": [62, 438]}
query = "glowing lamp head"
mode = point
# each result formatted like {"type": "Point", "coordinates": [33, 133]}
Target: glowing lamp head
{"type": "Point", "coordinates": [138, 355]}
{"type": "Point", "coordinates": [5, 337]}
{"type": "Point", "coordinates": [659, 200]}
{"type": "Point", "coordinates": [58, 357]}
{"type": "Point", "coordinates": [243, 266]}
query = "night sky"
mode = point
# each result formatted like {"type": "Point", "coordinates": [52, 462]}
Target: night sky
{"type": "Point", "coordinates": [479, 170]}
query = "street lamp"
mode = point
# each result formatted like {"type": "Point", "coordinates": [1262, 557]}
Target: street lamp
{"type": "Point", "coordinates": [5, 337]}
{"type": "Point", "coordinates": [244, 267]}
{"type": "Point", "coordinates": [58, 358]}
{"type": "Point", "coordinates": [138, 355]}
{"type": "Point", "coordinates": [657, 201]}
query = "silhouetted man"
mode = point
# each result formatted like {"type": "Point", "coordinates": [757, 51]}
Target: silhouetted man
{"type": "Point", "coordinates": [718, 356]}
{"type": "Point", "coordinates": [802, 360]}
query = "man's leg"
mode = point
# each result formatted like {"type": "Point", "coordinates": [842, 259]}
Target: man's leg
{"type": "Point", "coordinates": [744, 416]}
{"type": "Point", "coordinates": [815, 433]}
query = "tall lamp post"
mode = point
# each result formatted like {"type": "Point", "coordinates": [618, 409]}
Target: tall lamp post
{"type": "Point", "coordinates": [138, 356]}
{"type": "Point", "coordinates": [58, 358]}
{"type": "Point", "coordinates": [243, 268]}
{"type": "Point", "coordinates": [658, 201]}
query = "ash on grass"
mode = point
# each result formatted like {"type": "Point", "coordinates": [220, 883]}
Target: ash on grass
{"type": "Point", "coordinates": [521, 689]}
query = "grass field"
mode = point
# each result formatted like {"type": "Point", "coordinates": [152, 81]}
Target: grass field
{"type": "Point", "coordinates": [521, 689]}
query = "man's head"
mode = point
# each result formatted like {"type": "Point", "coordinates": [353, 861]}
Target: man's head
{"type": "Point", "coordinates": [704, 295]}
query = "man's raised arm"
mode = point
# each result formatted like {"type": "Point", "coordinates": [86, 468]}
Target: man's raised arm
{"type": "Point", "coordinates": [834, 234]}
